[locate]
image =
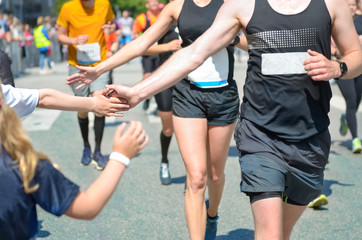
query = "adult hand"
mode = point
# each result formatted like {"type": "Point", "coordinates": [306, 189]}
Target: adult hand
{"type": "Point", "coordinates": [126, 93]}
{"type": "Point", "coordinates": [85, 76]}
{"type": "Point", "coordinates": [174, 45]}
{"type": "Point", "coordinates": [109, 27]}
{"type": "Point", "coordinates": [320, 68]}
{"type": "Point", "coordinates": [129, 142]}
{"type": "Point", "coordinates": [109, 106]}
{"type": "Point", "coordinates": [81, 39]}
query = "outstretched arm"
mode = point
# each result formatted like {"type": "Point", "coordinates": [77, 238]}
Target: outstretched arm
{"type": "Point", "coordinates": [100, 104]}
{"type": "Point", "coordinates": [218, 36]}
{"type": "Point", "coordinates": [131, 50]}
{"type": "Point", "coordinates": [87, 205]}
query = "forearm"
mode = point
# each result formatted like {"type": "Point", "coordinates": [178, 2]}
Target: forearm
{"type": "Point", "coordinates": [173, 70]}
{"type": "Point", "coordinates": [243, 44]}
{"type": "Point", "coordinates": [89, 204]}
{"type": "Point", "coordinates": [353, 61]}
{"type": "Point", "coordinates": [53, 99]}
{"type": "Point", "coordinates": [186, 60]}
{"type": "Point", "coordinates": [130, 51]}
{"type": "Point", "coordinates": [157, 49]}
{"type": "Point", "coordinates": [64, 39]}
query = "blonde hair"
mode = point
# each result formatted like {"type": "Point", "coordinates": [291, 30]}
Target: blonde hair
{"type": "Point", "coordinates": [18, 145]}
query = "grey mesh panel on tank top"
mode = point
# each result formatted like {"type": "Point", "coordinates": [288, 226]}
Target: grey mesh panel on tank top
{"type": "Point", "coordinates": [283, 38]}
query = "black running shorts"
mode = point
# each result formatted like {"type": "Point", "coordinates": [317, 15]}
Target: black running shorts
{"type": "Point", "coordinates": [271, 164]}
{"type": "Point", "coordinates": [220, 106]}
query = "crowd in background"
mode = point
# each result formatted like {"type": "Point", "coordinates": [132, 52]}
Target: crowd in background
{"type": "Point", "coordinates": [17, 41]}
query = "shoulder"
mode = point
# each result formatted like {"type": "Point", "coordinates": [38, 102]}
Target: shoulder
{"type": "Point", "coordinates": [337, 8]}
{"type": "Point", "coordinates": [22, 101]}
{"type": "Point", "coordinates": [173, 8]}
{"type": "Point", "coordinates": [67, 8]}
{"type": "Point", "coordinates": [69, 5]}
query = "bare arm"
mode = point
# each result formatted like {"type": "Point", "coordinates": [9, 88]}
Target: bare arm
{"type": "Point", "coordinates": [346, 39]}
{"type": "Point", "coordinates": [243, 44]}
{"type": "Point", "coordinates": [131, 50]}
{"type": "Point", "coordinates": [218, 36]}
{"type": "Point", "coordinates": [53, 99]}
{"type": "Point", "coordinates": [63, 37]}
{"type": "Point", "coordinates": [87, 205]}
{"type": "Point", "coordinates": [171, 46]}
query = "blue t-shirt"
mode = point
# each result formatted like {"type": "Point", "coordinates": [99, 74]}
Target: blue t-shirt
{"type": "Point", "coordinates": [18, 217]}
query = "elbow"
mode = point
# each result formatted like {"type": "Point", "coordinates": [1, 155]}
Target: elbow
{"type": "Point", "coordinates": [90, 216]}
{"type": "Point", "coordinates": [196, 61]}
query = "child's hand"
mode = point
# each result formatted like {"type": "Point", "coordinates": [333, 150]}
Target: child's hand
{"type": "Point", "coordinates": [131, 141]}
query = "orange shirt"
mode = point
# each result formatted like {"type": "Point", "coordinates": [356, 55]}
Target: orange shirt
{"type": "Point", "coordinates": [140, 22]}
{"type": "Point", "coordinates": [110, 39]}
{"type": "Point", "coordinates": [86, 21]}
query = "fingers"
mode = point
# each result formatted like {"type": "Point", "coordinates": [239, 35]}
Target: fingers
{"type": "Point", "coordinates": [119, 101]}
{"type": "Point", "coordinates": [115, 114]}
{"type": "Point", "coordinates": [103, 92]}
{"type": "Point", "coordinates": [81, 68]}
{"type": "Point", "coordinates": [119, 131]}
{"type": "Point", "coordinates": [145, 141]}
{"type": "Point", "coordinates": [313, 53]}
{"type": "Point", "coordinates": [315, 57]}
{"type": "Point", "coordinates": [137, 131]}
{"type": "Point", "coordinates": [73, 78]}
{"type": "Point", "coordinates": [80, 86]}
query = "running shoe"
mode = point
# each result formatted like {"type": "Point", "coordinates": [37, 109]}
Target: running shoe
{"type": "Point", "coordinates": [86, 157]}
{"type": "Point", "coordinates": [99, 161]}
{"type": "Point", "coordinates": [343, 129]}
{"type": "Point", "coordinates": [356, 145]}
{"type": "Point", "coordinates": [318, 202]}
{"type": "Point", "coordinates": [165, 176]}
{"type": "Point", "coordinates": [211, 225]}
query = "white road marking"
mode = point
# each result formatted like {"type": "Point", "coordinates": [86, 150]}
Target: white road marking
{"type": "Point", "coordinates": [40, 120]}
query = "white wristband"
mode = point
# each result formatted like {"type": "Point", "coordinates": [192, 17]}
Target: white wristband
{"type": "Point", "coordinates": [120, 158]}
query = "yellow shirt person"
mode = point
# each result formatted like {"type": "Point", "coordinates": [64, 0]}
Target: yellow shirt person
{"type": "Point", "coordinates": [86, 21]}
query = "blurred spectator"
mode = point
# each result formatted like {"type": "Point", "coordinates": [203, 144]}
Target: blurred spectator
{"type": "Point", "coordinates": [126, 23]}
{"type": "Point", "coordinates": [6, 75]}
{"type": "Point", "coordinates": [42, 43]}
{"type": "Point", "coordinates": [29, 46]}
{"type": "Point", "coordinates": [110, 37]}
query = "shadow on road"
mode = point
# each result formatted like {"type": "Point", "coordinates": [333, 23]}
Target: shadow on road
{"type": "Point", "coordinates": [239, 234]}
{"type": "Point", "coordinates": [42, 233]}
{"type": "Point", "coordinates": [179, 180]}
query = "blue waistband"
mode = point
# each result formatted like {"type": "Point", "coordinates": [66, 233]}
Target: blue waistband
{"type": "Point", "coordinates": [213, 84]}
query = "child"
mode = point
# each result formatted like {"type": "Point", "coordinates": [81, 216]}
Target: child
{"type": "Point", "coordinates": [24, 101]}
{"type": "Point", "coordinates": [28, 178]}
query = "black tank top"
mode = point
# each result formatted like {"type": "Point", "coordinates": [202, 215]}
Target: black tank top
{"type": "Point", "coordinates": [278, 97]}
{"type": "Point", "coordinates": [358, 24]}
{"type": "Point", "coordinates": [168, 37]}
{"type": "Point", "coordinates": [193, 21]}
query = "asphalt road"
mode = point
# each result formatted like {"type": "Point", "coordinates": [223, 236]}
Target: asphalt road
{"type": "Point", "coordinates": [141, 208]}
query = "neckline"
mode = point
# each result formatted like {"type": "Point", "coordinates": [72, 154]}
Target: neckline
{"type": "Point", "coordinates": [202, 6]}
{"type": "Point", "coordinates": [292, 14]}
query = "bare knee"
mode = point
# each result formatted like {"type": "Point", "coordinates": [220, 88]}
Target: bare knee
{"type": "Point", "coordinates": [167, 132]}
{"type": "Point", "coordinates": [196, 183]}
{"type": "Point", "coordinates": [82, 115]}
{"type": "Point", "coordinates": [214, 178]}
